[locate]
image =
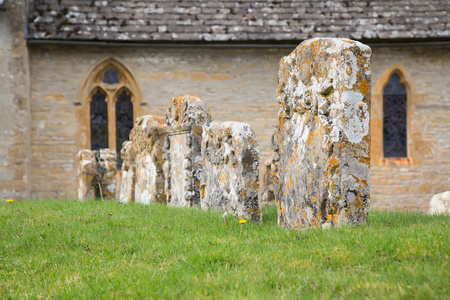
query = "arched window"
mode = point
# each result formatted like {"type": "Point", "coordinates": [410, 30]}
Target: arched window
{"type": "Point", "coordinates": [110, 101]}
{"type": "Point", "coordinates": [394, 118]}
{"type": "Point", "coordinates": [394, 140]}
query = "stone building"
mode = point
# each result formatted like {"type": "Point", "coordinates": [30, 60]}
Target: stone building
{"type": "Point", "coordinates": [73, 71]}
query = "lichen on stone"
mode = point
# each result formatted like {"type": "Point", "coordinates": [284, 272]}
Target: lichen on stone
{"type": "Point", "coordinates": [96, 174]}
{"type": "Point", "coordinates": [321, 146]}
{"type": "Point", "coordinates": [230, 175]}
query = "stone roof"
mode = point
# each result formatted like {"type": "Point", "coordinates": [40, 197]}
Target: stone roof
{"type": "Point", "coordinates": [237, 20]}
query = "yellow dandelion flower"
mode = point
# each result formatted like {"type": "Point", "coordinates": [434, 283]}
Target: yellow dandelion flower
{"type": "Point", "coordinates": [242, 221]}
{"type": "Point", "coordinates": [10, 200]}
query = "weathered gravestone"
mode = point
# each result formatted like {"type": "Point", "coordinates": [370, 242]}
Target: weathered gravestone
{"type": "Point", "coordinates": [321, 146]}
{"type": "Point", "coordinates": [265, 194]}
{"type": "Point", "coordinates": [96, 174]}
{"type": "Point", "coordinates": [147, 138]}
{"type": "Point", "coordinates": [229, 181]}
{"type": "Point", "coordinates": [182, 150]}
{"type": "Point", "coordinates": [128, 171]}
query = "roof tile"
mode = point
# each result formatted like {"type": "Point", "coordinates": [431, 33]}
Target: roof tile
{"type": "Point", "coordinates": [239, 20]}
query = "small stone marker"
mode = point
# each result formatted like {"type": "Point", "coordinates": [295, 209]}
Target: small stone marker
{"type": "Point", "coordinates": [97, 174]}
{"type": "Point", "coordinates": [182, 150]}
{"type": "Point", "coordinates": [87, 172]}
{"type": "Point", "coordinates": [230, 156]}
{"type": "Point", "coordinates": [107, 170]}
{"type": "Point", "coordinates": [128, 155]}
{"type": "Point", "coordinates": [147, 138]}
{"type": "Point", "coordinates": [440, 204]}
{"type": "Point", "coordinates": [321, 146]}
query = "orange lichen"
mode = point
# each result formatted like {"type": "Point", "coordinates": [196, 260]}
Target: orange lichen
{"type": "Point", "coordinates": [203, 191]}
{"type": "Point", "coordinates": [223, 177]}
{"type": "Point", "coordinates": [364, 88]}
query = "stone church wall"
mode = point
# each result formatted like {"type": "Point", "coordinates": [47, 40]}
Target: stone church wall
{"type": "Point", "coordinates": [14, 102]}
{"type": "Point", "coordinates": [236, 84]}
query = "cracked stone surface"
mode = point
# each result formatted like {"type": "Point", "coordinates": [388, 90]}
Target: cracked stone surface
{"type": "Point", "coordinates": [321, 145]}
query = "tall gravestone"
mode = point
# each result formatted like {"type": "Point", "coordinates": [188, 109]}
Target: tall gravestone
{"type": "Point", "coordinates": [182, 150]}
{"type": "Point", "coordinates": [147, 137]}
{"type": "Point", "coordinates": [229, 181]}
{"type": "Point", "coordinates": [321, 146]}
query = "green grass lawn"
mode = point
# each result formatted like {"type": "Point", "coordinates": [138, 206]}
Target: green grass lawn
{"type": "Point", "coordinates": [71, 249]}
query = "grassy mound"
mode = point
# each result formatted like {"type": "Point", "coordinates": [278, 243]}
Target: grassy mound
{"type": "Point", "coordinates": [70, 249]}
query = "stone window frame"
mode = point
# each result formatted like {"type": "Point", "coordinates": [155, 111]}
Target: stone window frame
{"type": "Point", "coordinates": [90, 84]}
{"type": "Point", "coordinates": [376, 122]}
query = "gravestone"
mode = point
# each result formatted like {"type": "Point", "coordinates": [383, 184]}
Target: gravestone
{"type": "Point", "coordinates": [265, 194]}
{"type": "Point", "coordinates": [230, 161]}
{"type": "Point", "coordinates": [147, 138]}
{"type": "Point", "coordinates": [182, 150]}
{"type": "Point", "coordinates": [321, 146]}
{"type": "Point", "coordinates": [87, 173]}
{"type": "Point", "coordinates": [128, 155]}
{"type": "Point", "coordinates": [440, 204]}
{"type": "Point", "coordinates": [96, 174]}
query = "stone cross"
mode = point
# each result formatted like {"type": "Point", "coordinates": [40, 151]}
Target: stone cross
{"type": "Point", "coordinates": [321, 146]}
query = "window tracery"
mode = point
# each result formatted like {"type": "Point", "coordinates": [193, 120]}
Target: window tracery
{"type": "Point", "coordinates": [109, 102]}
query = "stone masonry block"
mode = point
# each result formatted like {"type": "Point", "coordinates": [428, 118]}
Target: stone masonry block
{"type": "Point", "coordinates": [96, 174]}
{"type": "Point", "coordinates": [182, 150]}
{"type": "Point", "coordinates": [128, 155]}
{"type": "Point", "coordinates": [321, 146]}
{"type": "Point", "coordinates": [147, 137]}
{"type": "Point", "coordinates": [229, 181]}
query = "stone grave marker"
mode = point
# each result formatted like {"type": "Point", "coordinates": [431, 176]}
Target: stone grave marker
{"type": "Point", "coordinates": [147, 138]}
{"type": "Point", "coordinates": [230, 160]}
{"type": "Point", "coordinates": [128, 182]}
{"type": "Point", "coordinates": [182, 150]}
{"type": "Point", "coordinates": [96, 174]}
{"type": "Point", "coordinates": [321, 146]}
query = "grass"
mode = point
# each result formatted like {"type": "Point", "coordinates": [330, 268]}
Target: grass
{"type": "Point", "coordinates": [70, 249]}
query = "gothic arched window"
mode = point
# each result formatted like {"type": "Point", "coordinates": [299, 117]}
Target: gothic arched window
{"type": "Point", "coordinates": [395, 118]}
{"type": "Point", "coordinates": [109, 103]}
